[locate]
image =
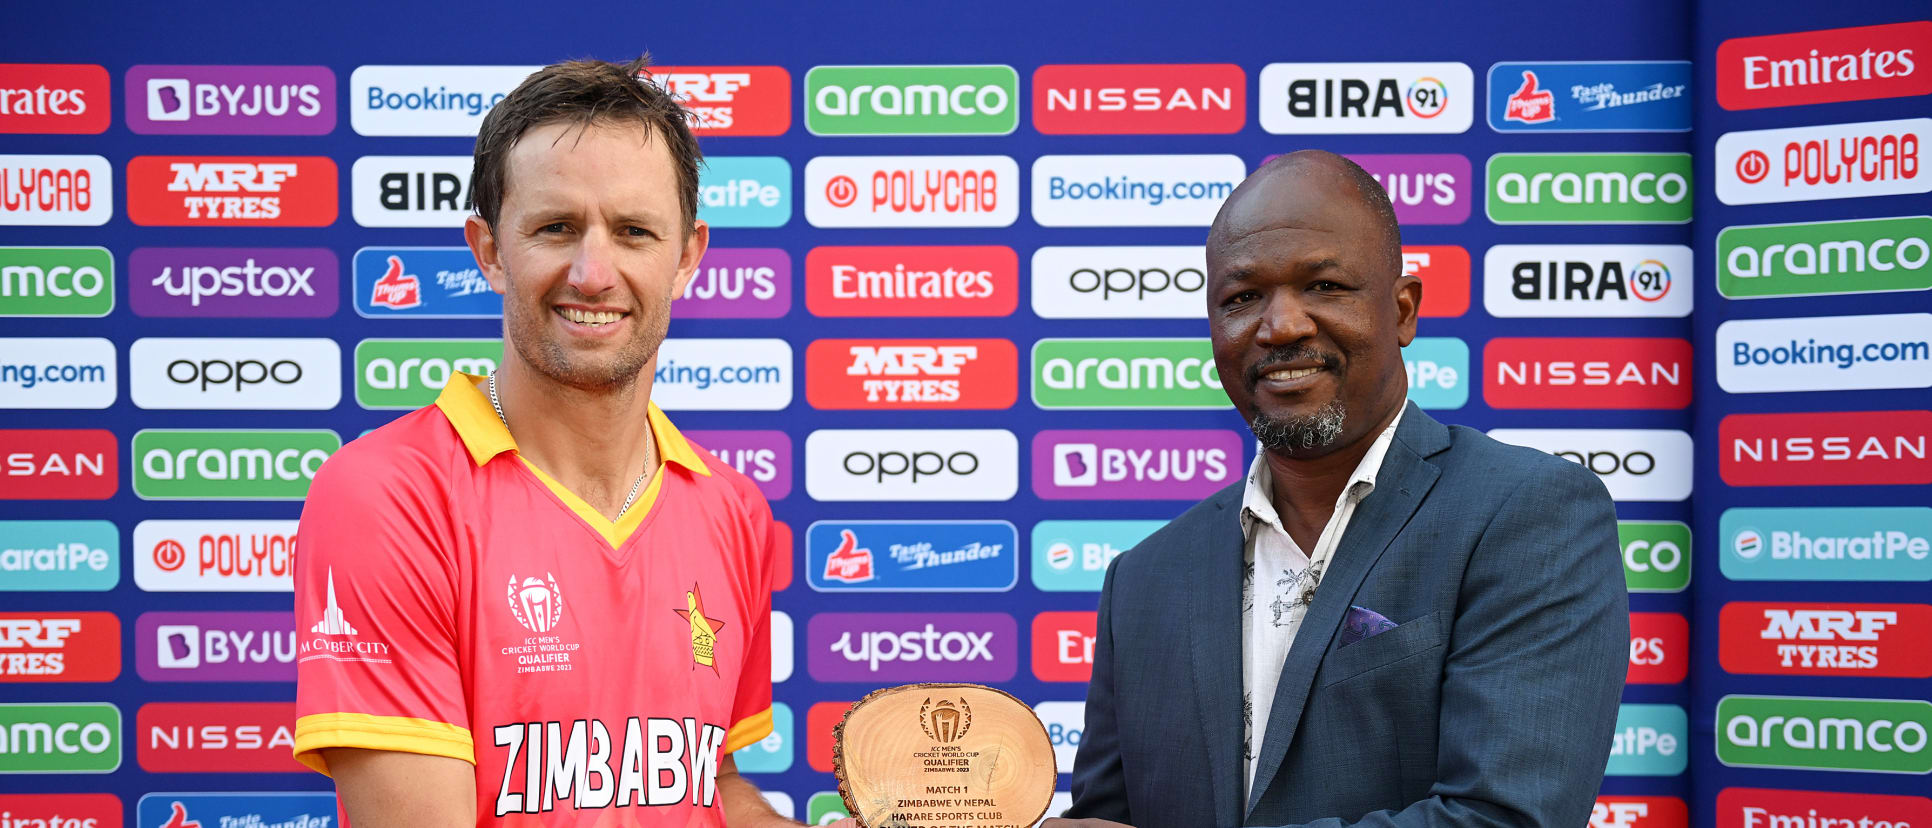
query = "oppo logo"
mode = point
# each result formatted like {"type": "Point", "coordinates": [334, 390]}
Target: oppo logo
{"type": "Point", "coordinates": [1137, 282]}
{"type": "Point", "coordinates": [936, 464]}
{"type": "Point", "coordinates": [898, 463]}
{"type": "Point", "coordinates": [1634, 464]}
{"type": "Point", "coordinates": [276, 373]}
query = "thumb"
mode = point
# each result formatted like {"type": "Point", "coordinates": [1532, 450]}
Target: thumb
{"type": "Point", "coordinates": [1529, 84]}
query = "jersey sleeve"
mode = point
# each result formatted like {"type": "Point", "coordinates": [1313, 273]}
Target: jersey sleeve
{"type": "Point", "coordinates": [751, 716]}
{"type": "Point", "coordinates": [375, 610]}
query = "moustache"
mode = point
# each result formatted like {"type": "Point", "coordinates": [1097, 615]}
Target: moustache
{"type": "Point", "coordinates": [1285, 354]}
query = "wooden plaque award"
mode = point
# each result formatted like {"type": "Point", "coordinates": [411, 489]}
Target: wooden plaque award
{"type": "Point", "coordinates": [943, 756]}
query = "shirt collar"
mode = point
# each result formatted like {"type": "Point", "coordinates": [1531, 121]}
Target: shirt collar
{"type": "Point", "coordinates": [1257, 498]}
{"type": "Point", "coordinates": [484, 434]}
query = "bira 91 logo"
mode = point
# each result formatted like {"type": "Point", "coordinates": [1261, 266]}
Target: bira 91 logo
{"type": "Point", "coordinates": [83, 737]}
{"type": "Point", "coordinates": [919, 374]}
{"type": "Point", "coordinates": [59, 556]}
{"type": "Point", "coordinates": [1072, 555]}
{"type": "Point", "coordinates": [230, 100]}
{"type": "Point", "coordinates": [1825, 257]}
{"type": "Point", "coordinates": [56, 190]}
{"type": "Point", "coordinates": [1633, 463]}
{"type": "Point", "coordinates": [912, 556]}
{"type": "Point", "coordinates": [1835, 639]}
{"type": "Point", "coordinates": [1587, 280]}
{"type": "Point", "coordinates": [1659, 648]}
{"type": "Point", "coordinates": [1781, 808]}
{"type": "Point", "coordinates": [1625, 811]}
{"type": "Point", "coordinates": [1593, 372]}
{"type": "Point", "coordinates": [215, 555]}
{"type": "Point", "coordinates": [234, 282]}
{"type": "Point", "coordinates": [912, 464]}
{"type": "Point", "coordinates": [912, 191]}
{"type": "Point", "coordinates": [205, 464]}
{"type": "Point", "coordinates": [237, 810]}
{"type": "Point", "coordinates": [1366, 98]}
{"type": "Point", "coordinates": [1137, 282]}
{"type": "Point", "coordinates": [912, 281]}
{"type": "Point", "coordinates": [1063, 646]}
{"type": "Point", "coordinates": [59, 646]}
{"type": "Point", "coordinates": [1126, 373]}
{"type": "Point", "coordinates": [215, 646]}
{"type": "Point", "coordinates": [1812, 163]}
{"type": "Point", "coordinates": [1860, 63]}
{"type": "Point", "coordinates": [1650, 740]}
{"type": "Point", "coordinates": [216, 737]}
{"type": "Point", "coordinates": [53, 99]}
{"type": "Point", "coordinates": [1842, 448]}
{"type": "Point", "coordinates": [1134, 465]}
{"type": "Point", "coordinates": [1877, 735]}
{"type": "Point", "coordinates": [738, 283]}
{"type": "Point", "coordinates": [912, 100]}
{"type": "Point", "coordinates": [1140, 99]}
{"type": "Point", "coordinates": [1591, 96]}
{"type": "Point", "coordinates": [231, 191]}
{"type": "Point", "coordinates": [56, 281]}
{"type": "Point", "coordinates": [763, 456]}
{"type": "Point", "coordinates": [425, 282]}
{"type": "Point", "coordinates": [59, 464]}
{"type": "Point", "coordinates": [1589, 188]}
{"type": "Point", "coordinates": [1656, 555]}
{"type": "Point", "coordinates": [896, 648]}
{"type": "Point", "coordinates": [730, 100]}
{"type": "Point", "coordinates": [1826, 544]}
{"type": "Point", "coordinates": [411, 190]}
{"type": "Point", "coordinates": [1425, 189]}
{"type": "Point", "coordinates": [63, 810]}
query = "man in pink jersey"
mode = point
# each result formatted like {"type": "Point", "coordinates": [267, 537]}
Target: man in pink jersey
{"type": "Point", "coordinates": [535, 602]}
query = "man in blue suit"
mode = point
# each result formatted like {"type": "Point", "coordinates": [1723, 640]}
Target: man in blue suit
{"type": "Point", "coordinates": [1390, 622]}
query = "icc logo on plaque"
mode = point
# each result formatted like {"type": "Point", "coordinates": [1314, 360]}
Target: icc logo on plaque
{"type": "Point", "coordinates": [536, 604]}
{"type": "Point", "coordinates": [944, 721]}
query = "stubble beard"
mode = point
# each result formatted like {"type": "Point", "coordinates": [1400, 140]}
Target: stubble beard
{"type": "Point", "coordinates": [1321, 428]}
{"type": "Point", "coordinates": [528, 326]}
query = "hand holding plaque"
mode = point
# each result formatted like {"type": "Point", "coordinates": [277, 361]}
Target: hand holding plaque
{"type": "Point", "coordinates": [943, 756]}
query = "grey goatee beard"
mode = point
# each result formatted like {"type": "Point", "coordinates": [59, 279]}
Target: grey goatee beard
{"type": "Point", "coordinates": [1315, 430]}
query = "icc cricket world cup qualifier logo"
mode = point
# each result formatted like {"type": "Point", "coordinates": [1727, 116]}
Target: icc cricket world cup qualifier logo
{"type": "Point", "coordinates": [944, 721]}
{"type": "Point", "coordinates": [536, 604]}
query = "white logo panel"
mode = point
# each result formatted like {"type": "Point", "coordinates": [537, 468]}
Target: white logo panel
{"type": "Point", "coordinates": [428, 100]}
{"type": "Point", "coordinates": [1873, 158]}
{"type": "Point", "coordinates": [912, 465]}
{"type": "Point", "coordinates": [1825, 353]}
{"type": "Point", "coordinates": [1633, 463]}
{"type": "Point", "coordinates": [1151, 282]}
{"type": "Point", "coordinates": [57, 372]}
{"type": "Point", "coordinates": [1133, 190]}
{"type": "Point", "coordinates": [912, 191]}
{"type": "Point", "coordinates": [1365, 98]}
{"type": "Point", "coordinates": [411, 190]}
{"type": "Point", "coordinates": [235, 374]}
{"type": "Point", "coordinates": [215, 555]}
{"type": "Point", "coordinates": [723, 375]}
{"type": "Point", "coordinates": [56, 190]}
{"type": "Point", "coordinates": [1588, 280]}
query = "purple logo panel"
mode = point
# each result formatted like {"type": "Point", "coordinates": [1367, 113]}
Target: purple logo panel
{"type": "Point", "coordinates": [274, 282]}
{"type": "Point", "coordinates": [1135, 465]}
{"type": "Point", "coordinates": [215, 646]}
{"type": "Point", "coordinates": [895, 648]}
{"type": "Point", "coordinates": [763, 456]}
{"type": "Point", "coordinates": [1425, 189]}
{"type": "Point", "coordinates": [230, 100]}
{"type": "Point", "coordinates": [738, 283]}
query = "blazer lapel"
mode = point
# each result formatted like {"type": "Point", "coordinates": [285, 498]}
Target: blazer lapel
{"type": "Point", "coordinates": [1405, 477]}
{"type": "Point", "coordinates": [1214, 630]}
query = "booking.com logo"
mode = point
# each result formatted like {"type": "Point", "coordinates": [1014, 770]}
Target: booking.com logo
{"type": "Point", "coordinates": [1125, 188]}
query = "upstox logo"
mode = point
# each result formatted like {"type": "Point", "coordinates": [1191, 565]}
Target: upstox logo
{"type": "Point", "coordinates": [1824, 257]}
{"type": "Point", "coordinates": [1826, 544]}
{"type": "Point", "coordinates": [912, 100]}
{"type": "Point", "coordinates": [409, 373]}
{"type": "Point", "coordinates": [1126, 373]}
{"type": "Point", "coordinates": [1656, 555]}
{"type": "Point", "coordinates": [205, 464]}
{"type": "Point", "coordinates": [60, 738]}
{"type": "Point", "coordinates": [1589, 188]}
{"type": "Point", "coordinates": [1877, 735]}
{"type": "Point", "coordinates": [56, 281]}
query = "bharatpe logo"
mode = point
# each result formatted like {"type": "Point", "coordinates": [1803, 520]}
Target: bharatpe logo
{"type": "Point", "coordinates": [214, 555]}
{"type": "Point", "coordinates": [1587, 372]}
{"type": "Point", "coordinates": [1132, 190]}
{"type": "Point", "coordinates": [215, 646]}
{"type": "Point", "coordinates": [230, 100]}
{"type": "Point", "coordinates": [85, 376]}
{"type": "Point", "coordinates": [59, 556]}
{"type": "Point", "coordinates": [1813, 163]}
{"type": "Point", "coordinates": [1142, 282]}
{"type": "Point", "coordinates": [56, 281]}
{"type": "Point", "coordinates": [912, 464]}
{"type": "Point", "coordinates": [1825, 639]}
{"type": "Point", "coordinates": [428, 100]}
{"type": "Point", "coordinates": [1635, 464]}
{"type": "Point", "coordinates": [423, 282]}
{"type": "Point", "coordinates": [1776, 808]}
{"type": "Point", "coordinates": [902, 647]}
{"type": "Point", "coordinates": [1875, 735]}
{"type": "Point", "coordinates": [911, 556]}
{"type": "Point", "coordinates": [911, 374]}
{"type": "Point", "coordinates": [1134, 465]}
{"type": "Point", "coordinates": [912, 100]}
{"type": "Point", "coordinates": [231, 191]}
{"type": "Point", "coordinates": [243, 374]}
{"type": "Point", "coordinates": [1860, 63]}
{"type": "Point", "coordinates": [1825, 353]}
{"type": "Point", "coordinates": [1588, 280]}
{"type": "Point", "coordinates": [59, 646]}
{"type": "Point", "coordinates": [729, 100]}
{"type": "Point", "coordinates": [1438, 369]}
{"type": "Point", "coordinates": [1140, 99]}
{"type": "Point", "coordinates": [1825, 257]}
{"type": "Point", "coordinates": [763, 456]}
{"type": "Point", "coordinates": [1072, 555]}
{"type": "Point", "coordinates": [748, 191]}
{"type": "Point", "coordinates": [1659, 648]}
{"type": "Point", "coordinates": [1842, 448]}
{"type": "Point", "coordinates": [1591, 96]}
{"type": "Point", "coordinates": [55, 190]}
{"type": "Point", "coordinates": [738, 283]}
{"type": "Point", "coordinates": [1367, 98]}
{"type": "Point", "coordinates": [410, 373]}
{"type": "Point", "coordinates": [1826, 544]}
{"type": "Point", "coordinates": [234, 282]}
{"type": "Point", "coordinates": [61, 738]}
{"type": "Point", "coordinates": [1656, 555]}
{"type": "Point", "coordinates": [912, 191]}
{"type": "Point", "coordinates": [1589, 188]}
{"type": "Point", "coordinates": [1425, 189]}
{"type": "Point", "coordinates": [54, 99]}
{"type": "Point", "coordinates": [205, 464]}
{"type": "Point", "coordinates": [1126, 373]}
{"type": "Point", "coordinates": [411, 190]}
{"type": "Point", "coordinates": [1650, 740]}
{"type": "Point", "coordinates": [237, 810]}
{"type": "Point", "coordinates": [912, 281]}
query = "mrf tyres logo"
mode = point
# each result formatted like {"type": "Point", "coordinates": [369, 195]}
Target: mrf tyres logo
{"type": "Point", "coordinates": [1588, 280]}
{"type": "Point", "coordinates": [730, 100]}
{"type": "Point", "coordinates": [1812, 163]}
{"type": "Point", "coordinates": [1633, 463]}
{"type": "Point", "coordinates": [59, 646]}
{"type": "Point", "coordinates": [1860, 63]}
{"type": "Point", "coordinates": [912, 100]}
{"type": "Point", "coordinates": [1874, 735]}
{"type": "Point", "coordinates": [56, 190]}
{"type": "Point", "coordinates": [231, 191]}
{"type": "Point", "coordinates": [60, 738]}
{"type": "Point", "coordinates": [912, 191]}
{"type": "Point", "coordinates": [1825, 257]}
{"type": "Point", "coordinates": [409, 373]}
{"type": "Point", "coordinates": [1126, 373]}
{"type": "Point", "coordinates": [202, 464]}
{"type": "Point", "coordinates": [1589, 188]}
{"type": "Point", "coordinates": [912, 464]}
{"type": "Point", "coordinates": [900, 647]}
{"type": "Point", "coordinates": [56, 281]}
{"type": "Point", "coordinates": [1364, 98]}
{"type": "Point", "coordinates": [1844, 448]}
{"type": "Point", "coordinates": [1831, 639]}
{"type": "Point", "coordinates": [911, 374]}
{"type": "Point", "coordinates": [1134, 465]}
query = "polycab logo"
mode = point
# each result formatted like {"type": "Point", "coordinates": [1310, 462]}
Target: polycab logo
{"type": "Point", "coordinates": [1591, 96]}
{"type": "Point", "coordinates": [1065, 723]}
{"type": "Point", "coordinates": [1134, 465]}
{"type": "Point", "coordinates": [215, 555]}
{"type": "Point", "coordinates": [56, 190]}
{"type": "Point", "coordinates": [1877, 735]}
{"type": "Point", "coordinates": [1634, 463]}
{"type": "Point", "coordinates": [912, 556]}
{"type": "Point", "coordinates": [1072, 555]}
{"type": "Point", "coordinates": [1063, 646]}
{"type": "Point", "coordinates": [1425, 189]}
{"type": "Point", "coordinates": [881, 374]}
{"type": "Point", "coordinates": [1826, 544]}
{"type": "Point", "coordinates": [907, 647]}
{"type": "Point", "coordinates": [215, 646]}
{"type": "Point", "coordinates": [61, 738]}
{"type": "Point", "coordinates": [748, 191]}
{"type": "Point", "coordinates": [234, 282]}
{"type": "Point", "coordinates": [231, 191]}
{"type": "Point", "coordinates": [1444, 271]}
{"type": "Point", "coordinates": [912, 100]}
{"type": "Point", "coordinates": [424, 282]}
{"type": "Point", "coordinates": [1625, 811]}
{"type": "Point", "coordinates": [1126, 373]}
{"type": "Point", "coordinates": [1132, 190]}
{"type": "Point", "coordinates": [1765, 808]}
{"type": "Point", "coordinates": [1834, 639]}
{"type": "Point", "coordinates": [428, 100]}
{"type": "Point", "coordinates": [1138, 282]}
{"type": "Point", "coordinates": [730, 100]}
{"type": "Point", "coordinates": [1840, 448]}
{"type": "Point", "coordinates": [59, 556]}
{"type": "Point", "coordinates": [59, 464]}
{"type": "Point", "coordinates": [912, 191]}
{"type": "Point", "coordinates": [243, 374]}
{"type": "Point", "coordinates": [1438, 371]}
{"type": "Point", "coordinates": [230, 100]}
{"type": "Point", "coordinates": [912, 281]}
{"type": "Point", "coordinates": [723, 375]}
{"type": "Point", "coordinates": [1825, 353]}
{"type": "Point", "coordinates": [216, 737]}
{"type": "Point", "coordinates": [1140, 99]}
{"type": "Point", "coordinates": [56, 281]}
{"type": "Point", "coordinates": [1873, 158]}
{"type": "Point", "coordinates": [84, 378]}
{"type": "Point", "coordinates": [1594, 372]}
{"type": "Point", "coordinates": [53, 98]}
{"type": "Point", "coordinates": [1366, 98]}
{"type": "Point", "coordinates": [62, 810]}
{"type": "Point", "coordinates": [1650, 740]}
{"type": "Point", "coordinates": [1656, 555]}
{"type": "Point", "coordinates": [1587, 280]}
{"type": "Point", "coordinates": [1825, 257]}
{"type": "Point", "coordinates": [1659, 648]}
{"type": "Point", "coordinates": [206, 464]}
{"type": "Point", "coordinates": [1860, 63]}
{"type": "Point", "coordinates": [1589, 188]}
{"type": "Point", "coordinates": [411, 190]}
{"type": "Point", "coordinates": [409, 373]}
{"type": "Point", "coordinates": [763, 456]}
{"type": "Point", "coordinates": [232, 810]}
{"type": "Point", "coordinates": [912, 464]}
{"type": "Point", "coordinates": [738, 283]}
{"type": "Point", "coordinates": [59, 646]}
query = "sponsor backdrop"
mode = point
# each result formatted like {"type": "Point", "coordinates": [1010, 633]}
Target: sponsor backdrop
{"type": "Point", "coordinates": [953, 327]}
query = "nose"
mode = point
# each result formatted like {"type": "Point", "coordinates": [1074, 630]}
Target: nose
{"type": "Point", "coordinates": [594, 270]}
{"type": "Point", "coordinates": [1284, 320]}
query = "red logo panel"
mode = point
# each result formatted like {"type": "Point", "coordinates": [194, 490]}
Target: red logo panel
{"type": "Point", "coordinates": [231, 191]}
{"type": "Point", "coordinates": [1839, 448]}
{"type": "Point", "coordinates": [1595, 372]}
{"type": "Point", "coordinates": [94, 810]}
{"type": "Point", "coordinates": [1856, 64]}
{"type": "Point", "coordinates": [54, 98]}
{"type": "Point", "coordinates": [1659, 648]}
{"type": "Point", "coordinates": [819, 721]}
{"type": "Point", "coordinates": [781, 555]}
{"type": "Point", "coordinates": [58, 464]}
{"type": "Point", "coordinates": [1640, 812]}
{"type": "Point", "coordinates": [1140, 99]}
{"type": "Point", "coordinates": [59, 646]}
{"type": "Point", "coordinates": [911, 373]}
{"type": "Point", "coordinates": [1766, 808]}
{"type": "Point", "coordinates": [731, 100]}
{"type": "Point", "coordinates": [1831, 639]}
{"type": "Point", "coordinates": [912, 281]}
{"type": "Point", "coordinates": [217, 737]}
{"type": "Point", "coordinates": [1063, 646]}
{"type": "Point", "coordinates": [1444, 271]}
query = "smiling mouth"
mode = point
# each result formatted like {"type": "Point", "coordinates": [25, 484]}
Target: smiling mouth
{"type": "Point", "coordinates": [594, 319]}
{"type": "Point", "coordinates": [1291, 373]}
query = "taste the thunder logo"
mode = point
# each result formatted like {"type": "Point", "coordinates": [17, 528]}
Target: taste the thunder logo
{"type": "Point", "coordinates": [535, 603]}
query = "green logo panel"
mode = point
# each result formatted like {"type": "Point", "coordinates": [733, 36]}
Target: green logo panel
{"type": "Point", "coordinates": [1585, 188]}
{"type": "Point", "coordinates": [56, 281]}
{"type": "Point", "coordinates": [1656, 555]}
{"type": "Point", "coordinates": [912, 100]}
{"type": "Point", "coordinates": [1126, 373]}
{"type": "Point", "coordinates": [824, 808]}
{"type": "Point", "coordinates": [60, 738]}
{"type": "Point", "coordinates": [1820, 257]}
{"type": "Point", "coordinates": [1882, 735]}
{"type": "Point", "coordinates": [194, 464]}
{"type": "Point", "coordinates": [409, 373]}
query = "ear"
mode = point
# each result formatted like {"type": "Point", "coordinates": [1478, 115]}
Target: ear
{"type": "Point", "coordinates": [1408, 302]}
{"type": "Point", "coordinates": [482, 241]}
{"type": "Point", "coordinates": [695, 243]}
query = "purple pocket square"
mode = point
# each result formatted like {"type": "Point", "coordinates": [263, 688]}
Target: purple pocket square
{"type": "Point", "coordinates": [1362, 622]}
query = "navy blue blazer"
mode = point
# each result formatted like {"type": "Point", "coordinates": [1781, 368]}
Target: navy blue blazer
{"type": "Point", "coordinates": [1491, 703]}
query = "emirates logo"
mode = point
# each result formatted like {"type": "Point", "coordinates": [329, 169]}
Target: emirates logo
{"type": "Point", "coordinates": [944, 721]}
{"type": "Point", "coordinates": [536, 604]}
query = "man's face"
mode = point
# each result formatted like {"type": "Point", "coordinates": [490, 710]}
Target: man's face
{"type": "Point", "coordinates": [588, 251]}
{"type": "Point", "coordinates": [1307, 314]}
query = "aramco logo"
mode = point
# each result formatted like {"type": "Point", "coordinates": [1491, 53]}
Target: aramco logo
{"type": "Point", "coordinates": [536, 604]}
{"type": "Point", "coordinates": [944, 721]}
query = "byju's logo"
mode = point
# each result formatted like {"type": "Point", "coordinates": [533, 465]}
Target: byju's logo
{"type": "Point", "coordinates": [432, 282]}
{"type": "Point", "coordinates": [267, 810]}
{"type": "Point", "coordinates": [912, 281]}
{"type": "Point", "coordinates": [763, 456]}
{"type": "Point", "coordinates": [912, 100]}
{"type": "Point", "coordinates": [1134, 465]}
{"type": "Point", "coordinates": [62, 738]}
{"type": "Point", "coordinates": [234, 282]}
{"type": "Point", "coordinates": [214, 555]}
{"type": "Point", "coordinates": [1141, 282]}
{"type": "Point", "coordinates": [750, 191]}
{"type": "Point", "coordinates": [1824, 257]}
{"type": "Point", "coordinates": [231, 191]}
{"type": "Point", "coordinates": [1072, 555]}
{"type": "Point", "coordinates": [1650, 740]}
{"type": "Point", "coordinates": [1126, 373]}
{"type": "Point", "coordinates": [1878, 735]}
{"type": "Point", "coordinates": [56, 190]}
{"type": "Point", "coordinates": [1811, 639]}
{"type": "Point", "coordinates": [1811, 163]}
{"type": "Point", "coordinates": [1587, 372]}
{"type": "Point", "coordinates": [54, 98]}
{"type": "Point", "coordinates": [1843, 448]}
{"type": "Point", "coordinates": [250, 374]}
{"type": "Point", "coordinates": [409, 373]}
{"type": "Point", "coordinates": [738, 283]}
{"type": "Point", "coordinates": [428, 100]}
{"type": "Point", "coordinates": [1656, 555]}
{"type": "Point", "coordinates": [215, 646]}
{"type": "Point", "coordinates": [1140, 99]}
{"type": "Point", "coordinates": [1132, 190]}
{"type": "Point", "coordinates": [1825, 353]}
{"type": "Point", "coordinates": [59, 556]}
{"type": "Point", "coordinates": [1591, 96]}
{"type": "Point", "coordinates": [1826, 544]}
{"type": "Point", "coordinates": [1425, 189]}
{"type": "Point", "coordinates": [730, 100]}
{"type": "Point", "coordinates": [912, 191]}
{"type": "Point", "coordinates": [1588, 280]}
{"type": "Point", "coordinates": [925, 646]}
{"type": "Point", "coordinates": [1633, 463]}
{"type": "Point", "coordinates": [911, 556]}
{"type": "Point", "coordinates": [1358, 98]}
{"type": "Point", "coordinates": [1063, 646]}
{"type": "Point", "coordinates": [56, 281]}
{"type": "Point", "coordinates": [912, 464]}
{"type": "Point", "coordinates": [203, 464]}
{"type": "Point", "coordinates": [59, 646]}
{"type": "Point", "coordinates": [230, 100]}
{"type": "Point", "coordinates": [1854, 64]}
{"type": "Point", "coordinates": [879, 374]}
{"type": "Point", "coordinates": [59, 464]}
{"type": "Point", "coordinates": [411, 190]}
{"type": "Point", "coordinates": [1438, 370]}
{"type": "Point", "coordinates": [1589, 188]}
{"type": "Point", "coordinates": [57, 372]}
{"type": "Point", "coordinates": [211, 737]}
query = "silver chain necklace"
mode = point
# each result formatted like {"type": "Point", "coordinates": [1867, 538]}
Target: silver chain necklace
{"type": "Point", "coordinates": [506, 426]}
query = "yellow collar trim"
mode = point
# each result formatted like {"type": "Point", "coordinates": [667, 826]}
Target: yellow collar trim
{"type": "Point", "coordinates": [469, 410]}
